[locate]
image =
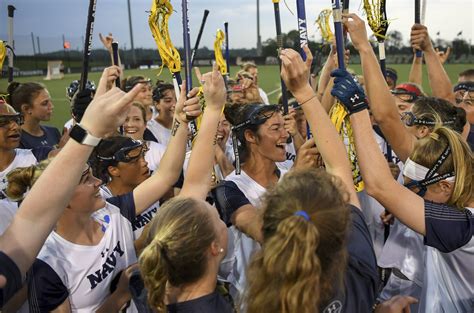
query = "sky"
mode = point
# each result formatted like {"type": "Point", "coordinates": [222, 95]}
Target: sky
{"type": "Point", "coordinates": [51, 19]}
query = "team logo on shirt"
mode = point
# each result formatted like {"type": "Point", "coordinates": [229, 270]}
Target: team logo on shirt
{"type": "Point", "coordinates": [333, 307]}
{"type": "Point", "coordinates": [143, 219]}
{"type": "Point", "coordinates": [107, 267]}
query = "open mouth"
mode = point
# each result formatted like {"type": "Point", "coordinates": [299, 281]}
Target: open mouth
{"type": "Point", "coordinates": [14, 136]}
{"type": "Point", "coordinates": [281, 145]}
{"type": "Point", "coordinates": [130, 131]}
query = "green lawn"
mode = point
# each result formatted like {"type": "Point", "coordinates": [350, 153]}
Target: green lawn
{"type": "Point", "coordinates": [268, 80]}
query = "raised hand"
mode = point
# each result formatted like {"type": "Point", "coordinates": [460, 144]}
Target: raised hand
{"type": "Point", "coordinates": [308, 156]}
{"type": "Point", "coordinates": [294, 71]}
{"type": "Point", "coordinates": [107, 41]}
{"type": "Point", "coordinates": [348, 91]}
{"type": "Point", "coordinates": [356, 28]}
{"type": "Point", "coordinates": [187, 105]}
{"type": "Point", "coordinates": [108, 111]}
{"type": "Point", "coordinates": [107, 80]}
{"type": "Point", "coordinates": [290, 123]}
{"type": "Point", "coordinates": [214, 89]}
{"type": "Point", "coordinates": [419, 38]}
{"type": "Point", "coordinates": [443, 55]}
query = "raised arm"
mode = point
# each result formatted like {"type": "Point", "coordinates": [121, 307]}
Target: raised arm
{"type": "Point", "coordinates": [382, 104]}
{"type": "Point", "coordinates": [44, 205]}
{"type": "Point", "coordinates": [295, 73]}
{"type": "Point", "coordinates": [439, 80]}
{"type": "Point", "coordinates": [416, 70]}
{"type": "Point", "coordinates": [197, 182]}
{"type": "Point", "coordinates": [171, 165]}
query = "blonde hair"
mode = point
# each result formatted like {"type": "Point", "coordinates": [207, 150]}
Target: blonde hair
{"type": "Point", "coordinates": [179, 237]}
{"type": "Point", "coordinates": [460, 161]}
{"type": "Point", "coordinates": [21, 179]}
{"type": "Point", "coordinates": [300, 259]}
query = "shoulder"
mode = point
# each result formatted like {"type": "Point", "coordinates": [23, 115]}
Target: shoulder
{"type": "Point", "coordinates": [447, 228]}
{"type": "Point", "coordinates": [228, 199]}
{"type": "Point", "coordinates": [125, 204]}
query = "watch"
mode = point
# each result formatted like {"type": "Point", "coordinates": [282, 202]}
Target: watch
{"type": "Point", "coordinates": [82, 136]}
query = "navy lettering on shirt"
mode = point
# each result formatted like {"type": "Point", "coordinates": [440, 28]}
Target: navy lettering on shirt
{"type": "Point", "coordinates": [144, 218]}
{"type": "Point", "coordinates": [107, 267]}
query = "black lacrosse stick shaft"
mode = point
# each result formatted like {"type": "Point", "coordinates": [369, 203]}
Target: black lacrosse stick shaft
{"type": "Point", "coordinates": [87, 44]}
{"type": "Point", "coordinates": [115, 57]}
{"type": "Point", "coordinates": [198, 39]}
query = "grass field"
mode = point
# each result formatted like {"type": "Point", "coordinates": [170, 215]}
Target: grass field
{"type": "Point", "coordinates": [268, 81]}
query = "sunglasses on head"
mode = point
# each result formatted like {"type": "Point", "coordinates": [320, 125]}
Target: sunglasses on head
{"type": "Point", "coordinates": [5, 120]}
{"type": "Point", "coordinates": [406, 96]}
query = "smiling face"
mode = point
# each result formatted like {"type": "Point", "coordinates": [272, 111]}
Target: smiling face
{"type": "Point", "coordinates": [86, 197]}
{"type": "Point", "coordinates": [134, 172]}
{"type": "Point", "coordinates": [223, 131]}
{"type": "Point", "coordinates": [270, 140]}
{"type": "Point", "coordinates": [9, 128]}
{"type": "Point", "coordinates": [134, 125]}
{"type": "Point", "coordinates": [167, 102]}
{"type": "Point", "coordinates": [41, 107]}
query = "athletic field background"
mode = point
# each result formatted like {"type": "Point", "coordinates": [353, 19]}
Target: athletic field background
{"type": "Point", "coordinates": [269, 80]}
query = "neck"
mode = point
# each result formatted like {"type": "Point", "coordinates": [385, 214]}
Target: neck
{"type": "Point", "coordinates": [32, 126]}
{"type": "Point", "coordinates": [203, 287]}
{"type": "Point", "coordinates": [165, 119]}
{"type": "Point", "coordinates": [117, 188]}
{"type": "Point", "coordinates": [79, 228]}
{"type": "Point", "coordinates": [6, 158]}
{"type": "Point", "coordinates": [261, 169]}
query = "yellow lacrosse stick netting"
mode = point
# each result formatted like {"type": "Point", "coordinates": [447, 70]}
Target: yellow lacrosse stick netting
{"type": "Point", "coordinates": [376, 18]}
{"type": "Point", "coordinates": [325, 26]}
{"type": "Point", "coordinates": [3, 53]}
{"type": "Point", "coordinates": [218, 43]}
{"type": "Point", "coordinates": [341, 121]}
{"type": "Point", "coordinates": [161, 11]}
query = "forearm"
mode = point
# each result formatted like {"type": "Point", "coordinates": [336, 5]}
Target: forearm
{"type": "Point", "coordinates": [328, 100]}
{"type": "Point", "coordinates": [249, 222]}
{"type": "Point", "coordinates": [198, 178]}
{"type": "Point", "coordinates": [415, 75]}
{"type": "Point", "coordinates": [172, 161]}
{"type": "Point", "coordinates": [327, 139]}
{"type": "Point", "coordinates": [223, 162]}
{"type": "Point", "coordinates": [44, 205]}
{"type": "Point", "coordinates": [114, 302]}
{"type": "Point", "coordinates": [372, 163]}
{"type": "Point", "coordinates": [325, 76]}
{"type": "Point", "coordinates": [439, 80]}
{"type": "Point", "coordinates": [298, 140]}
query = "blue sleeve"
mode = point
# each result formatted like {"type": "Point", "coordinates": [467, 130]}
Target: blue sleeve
{"type": "Point", "coordinates": [179, 183]}
{"type": "Point", "coordinates": [447, 228]}
{"type": "Point", "coordinates": [359, 243]}
{"type": "Point", "coordinates": [126, 204]}
{"type": "Point", "coordinates": [148, 135]}
{"type": "Point", "coordinates": [12, 274]}
{"type": "Point", "coordinates": [46, 291]}
{"type": "Point", "coordinates": [228, 198]}
{"type": "Point", "coordinates": [41, 153]}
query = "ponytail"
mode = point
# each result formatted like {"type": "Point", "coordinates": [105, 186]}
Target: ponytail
{"type": "Point", "coordinates": [21, 179]}
{"type": "Point", "coordinates": [290, 261]}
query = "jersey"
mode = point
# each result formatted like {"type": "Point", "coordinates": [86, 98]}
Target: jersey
{"type": "Point", "coordinates": [211, 303]}
{"type": "Point", "coordinates": [84, 274]}
{"type": "Point", "coordinates": [449, 277]}
{"type": "Point", "coordinates": [140, 221]}
{"type": "Point", "coordinates": [290, 157]}
{"type": "Point", "coordinates": [238, 258]}
{"type": "Point", "coordinates": [23, 158]}
{"type": "Point", "coordinates": [161, 133]}
{"type": "Point", "coordinates": [154, 154]}
{"type": "Point", "coordinates": [51, 137]}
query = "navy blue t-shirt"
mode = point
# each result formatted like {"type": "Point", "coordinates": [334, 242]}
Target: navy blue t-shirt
{"type": "Point", "coordinates": [211, 303]}
{"type": "Point", "coordinates": [447, 228]}
{"type": "Point", "coordinates": [50, 138]}
{"type": "Point", "coordinates": [11, 272]}
{"type": "Point", "coordinates": [361, 277]}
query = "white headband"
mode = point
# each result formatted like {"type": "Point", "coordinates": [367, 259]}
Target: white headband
{"type": "Point", "coordinates": [418, 172]}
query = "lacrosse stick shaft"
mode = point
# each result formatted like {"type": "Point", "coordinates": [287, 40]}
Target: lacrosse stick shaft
{"type": "Point", "coordinates": [227, 52]}
{"type": "Point", "coordinates": [419, 53]}
{"type": "Point", "coordinates": [115, 57]}
{"type": "Point", "coordinates": [302, 26]}
{"type": "Point", "coordinates": [11, 12]}
{"type": "Point", "coordinates": [198, 39]}
{"type": "Point", "coordinates": [87, 44]}
{"type": "Point", "coordinates": [382, 58]}
{"type": "Point", "coordinates": [284, 96]}
{"type": "Point", "coordinates": [345, 10]}
{"type": "Point", "coordinates": [187, 47]}
{"type": "Point", "coordinates": [338, 33]}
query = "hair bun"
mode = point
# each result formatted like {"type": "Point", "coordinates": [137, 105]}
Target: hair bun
{"type": "Point", "coordinates": [19, 181]}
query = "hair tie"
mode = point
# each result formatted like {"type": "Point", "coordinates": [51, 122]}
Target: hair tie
{"type": "Point", "coordinates": [303, 214]}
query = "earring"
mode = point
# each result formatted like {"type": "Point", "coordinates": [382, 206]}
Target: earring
{"type": "Point", "coordinates": [221, 250]}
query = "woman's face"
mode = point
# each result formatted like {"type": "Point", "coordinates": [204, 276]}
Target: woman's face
{"type": "Point", "coordinates": [134, 172]}
{"type": "Point", "coordinates": [145, 95]}
{"type": "Point", "coordinates": [134, 125]}
{"type": "Point", "coordinates": [223, 131]}
{"type": "Point", "coordinates": [402, 104]}
{"type": "Point", "coordinates": [86, 197]}
{"type": "Point", "coordinates": [42, 107]}
{"type": "Point", "coordinates": [168, 102]}
{"type": "Point", "coordinates": [271, 138]}
{"type": "Point", "coordinates": [9, 129]}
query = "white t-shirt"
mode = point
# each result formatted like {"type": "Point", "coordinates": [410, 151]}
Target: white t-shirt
{"type": "Point", "coordinates": [140, 221]}
{"type": "Point", "coordinates": [244, 246]}
{"type": "Point", "coordinates": [161, 133]}
{"type": "Point", "coordinates": [23, 158]}
{"type": "Point", "coordinates": [263, 95]}
{"type": "Point", "coordinates": [290, 157]}
{"type": "Point", "coordinates": [84, 274]}
{"type": "Point", "coordinates": [154, 154]}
